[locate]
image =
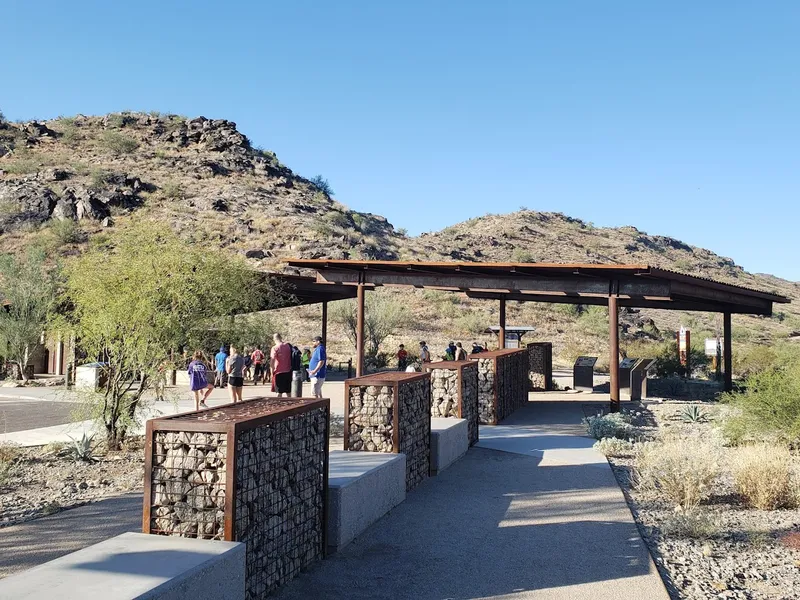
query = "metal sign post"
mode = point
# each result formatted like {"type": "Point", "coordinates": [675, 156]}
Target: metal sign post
{"type": "Point", "coordinates": [684, 348]}
{"type": "Point", "coordinates": [583, 373]}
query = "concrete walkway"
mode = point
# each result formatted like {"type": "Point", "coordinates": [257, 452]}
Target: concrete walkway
{"type": "Point", "coordinates": [533, 512]}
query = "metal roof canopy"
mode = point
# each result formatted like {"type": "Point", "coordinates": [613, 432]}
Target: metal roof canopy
{"type": "Point", "coordinates": [300, 291]}
{"type": "Point", "coordinates": [635, 285]}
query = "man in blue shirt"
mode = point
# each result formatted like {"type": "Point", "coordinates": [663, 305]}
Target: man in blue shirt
{"type": "Point", "coordinates": [316, 366]}
{"type": "Point", "coordinates": [221, 379]}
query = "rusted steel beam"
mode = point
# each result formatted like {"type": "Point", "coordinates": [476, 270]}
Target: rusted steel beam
{"type": "Point", "coordinates": [360, 331]}
{"type": "Point", "coordinates": [613, 342]}
{"type": "Point", "coordinates": [690, 290]}
{"type": "Point", "coordinates": [501, 335]}
{"type": "Point", "coordinates": [727, 352]}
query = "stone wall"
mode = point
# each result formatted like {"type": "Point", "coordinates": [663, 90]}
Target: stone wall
{"type": "Point", "coordinates": [469, 400]}
{"type": "Point", "coordinates": [540, 366]}
{"type": "Point", "coordinates": [454, 393]}
{"type": "Point", "coordinates": [676, 387]}
{"type": "Point", "coordinates": [502, 384]}
{"type": "Point", "coordinates": [376, 404]}
{"type": "Point", "coordinates": [278, 463]}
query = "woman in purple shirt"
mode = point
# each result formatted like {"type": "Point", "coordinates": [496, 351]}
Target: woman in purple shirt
{"type": "Point", "coordinates": [198, 380]}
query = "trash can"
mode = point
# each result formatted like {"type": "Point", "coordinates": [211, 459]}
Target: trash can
{"type": "Point", "coordinates": [297, 384]}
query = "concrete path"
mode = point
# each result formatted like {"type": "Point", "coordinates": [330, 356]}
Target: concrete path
{"type": "Point", "coordinates": [35, 542]}
{"type": "Point", "coordinates": [533, 512]}
{"type": "Point", "coordinates": [38, 416]}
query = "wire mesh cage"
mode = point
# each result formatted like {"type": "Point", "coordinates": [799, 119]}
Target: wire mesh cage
{"type": "Point", "coordinates": [254, 472]}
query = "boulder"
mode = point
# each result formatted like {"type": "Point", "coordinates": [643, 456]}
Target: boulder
{"type": "Point", "coordinates": [33, 201]}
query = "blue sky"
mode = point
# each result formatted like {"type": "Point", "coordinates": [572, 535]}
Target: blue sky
{"type": "Point", "coordinates": [680, 118]}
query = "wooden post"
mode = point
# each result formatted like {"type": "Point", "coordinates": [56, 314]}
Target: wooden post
{"type": "Point", "coordinates": [501, 342]}
{"type": "Point", "coordinates": [727, 357]}
{"type": "Point", "coordinates": [360, 331]}
{"type": "Point", "coordinates": [613, 342]}
{"type": "Point", "coordinates": [324, 333]}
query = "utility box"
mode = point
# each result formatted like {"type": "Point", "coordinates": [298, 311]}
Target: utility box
{"type": "Point", "coordinates": [583, 374]}
{"type": "Point", "coordinates": [540, 374]}
{"type": "Point", "coordinates": [391, 412]}
{"type": "Point", "coordinates": [90, 376]}
{"type": "Point", "coordinates": [253, 472]}
{"type": "Point", "coordinates": [454, 392]}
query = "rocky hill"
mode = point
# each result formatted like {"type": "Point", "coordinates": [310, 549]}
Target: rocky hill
{"type": "Point", "coordinates": [69, 181]}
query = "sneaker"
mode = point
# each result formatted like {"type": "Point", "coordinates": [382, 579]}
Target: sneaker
{"type": "Point", "coordinates": [203, 405]}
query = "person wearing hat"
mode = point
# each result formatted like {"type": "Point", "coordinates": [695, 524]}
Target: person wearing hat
{"type": "Point", "coordinates": [316, 366]}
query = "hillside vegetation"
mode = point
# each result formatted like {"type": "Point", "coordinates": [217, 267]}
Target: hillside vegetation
{"type": "Point", "coordinates": [69, 182]}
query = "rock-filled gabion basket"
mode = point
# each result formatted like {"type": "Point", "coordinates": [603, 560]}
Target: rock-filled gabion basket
{"type": "Point", "coordinates": [454, 392]}
{"type": "Point", "coordinates": [502, 383]}
{"type": "Point", "coordinates": [390, 412]}
{"type": "Point", "coordinates": [253, 472]}
{"type": "Point", "coordinates": [540, 366]}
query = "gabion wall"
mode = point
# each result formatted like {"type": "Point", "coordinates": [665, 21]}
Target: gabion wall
{"type": "Point", "coordinates": [454, 393]}
{"type": "Point", "coordinates": [502, 383]}
{"type": "Point", "coordinates": [258, 476]}
{"type": "Point", "coordinates": [390, 412]}
{"type": "Point", "coordinates": [540, 366]}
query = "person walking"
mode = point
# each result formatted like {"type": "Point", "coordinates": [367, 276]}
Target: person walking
{"type": "Point", "coordinates": [221, 379]}
{"type": "Point", "coordinates": [317, 368]}
{"type": "Point", "coordinates": [257, 360]}
{"type": "Point", "coordinates": [198, 380]}
{"type": "Point", "coordinates": [234, 367]}
{"type": "Point", "coordinates": [424, 353]}
{"type": "Point", "coordinates": [247, 364]}
{"type": "Point", "coordinates": [281, 362]}
{"type": "Point", "coordinates": [305, 360]}
{"type": "Point", "coordinates": [402, 358]}
{"type": "Point", "coordinates": [461, 354]}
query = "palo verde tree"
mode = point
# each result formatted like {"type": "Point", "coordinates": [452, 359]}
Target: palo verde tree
{"type": "Point", "coordinates": [382, 316]}
{"type": "Point", "coordinates": [28, 292]}
{"type": "Point", "coordinates": [143, 296]}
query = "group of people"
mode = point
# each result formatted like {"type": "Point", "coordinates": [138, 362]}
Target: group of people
{"type": "Point", "coordinates": [454, 351]}
{"type": "Point", "coordinates": [286, 362]}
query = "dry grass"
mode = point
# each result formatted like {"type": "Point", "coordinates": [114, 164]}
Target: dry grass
{"type": "Point", "coordinates": [681, 471]}
{"type": "Point", "coordinates": [765, 476]}
{"type": "Point", "coordinates": [8, 456]}
{"type": "Point", "coordinates": [697, 524]}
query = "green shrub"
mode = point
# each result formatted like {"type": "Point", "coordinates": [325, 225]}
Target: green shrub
{"type": "Point", "coordinates": [172, 190]}
{"type": "Point", "coordinates": [754, 359]}
{"type": "Point", "coordinates": [668, 363]}
{"type": "Point", "coordinates": [594, 320]}
{"type": "Point", "coordinates": [118, 143]}
{"type": "Point", "coordinates": [614, 425]}
{"type": "Point", "coordinates": [681, 470]}
{"type": "Point", "coordinates": [98, 178]}
{"type": "Point", "coordinates": [696, 524]}
{"type": "Point", "coordinates": [338, 219]}
{"type": "Point", "coordinates": [612, 446]}
{"type": "Point", "coordinates": [65, 231]}
{"type": "Point", "coordinates": [769, 404]}
{"type": "Point", "coordinates": [322, 184]}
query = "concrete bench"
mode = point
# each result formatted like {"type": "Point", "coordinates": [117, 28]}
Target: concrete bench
{"type": "Point", "coordinates": [135, 566]}
{"type": "Point", "coordinates": [362, 487]}
{"type": "Point", "coordinates": [449, 442]}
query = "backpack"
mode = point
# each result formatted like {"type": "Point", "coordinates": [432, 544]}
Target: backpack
{"type": "Point", "coordinates": [297, 359]}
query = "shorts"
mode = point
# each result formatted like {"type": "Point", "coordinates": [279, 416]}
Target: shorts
{"type": "Point", "coordinates": [316, 384]}
{"type": "Point", "coordinates": [236, 381]}
{"type": "Point", "coordinates": [283, 382]}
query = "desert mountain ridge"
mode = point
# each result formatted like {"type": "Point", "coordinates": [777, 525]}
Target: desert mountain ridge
{"type": "Point", "coordinates": [75, 179]}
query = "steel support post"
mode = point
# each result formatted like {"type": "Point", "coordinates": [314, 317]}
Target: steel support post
{"type": "Point", "coordinates": [324, 333]}
{"type": "Point", "coordinates": [360, 330]}
{"type": "Point", "coordinates": [727, 351]}
{"type": "Point", "coordinates": [501, 342]}
{"type": "Point", "coordinates": [613, 342]}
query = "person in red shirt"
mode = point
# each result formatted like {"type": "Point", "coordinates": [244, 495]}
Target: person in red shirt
{"type": "Point", "coordinates": [402, 358]}
{"type": "Point", "coordinates": [281, 362]}
{"type": "Point", "coordinates": [257, 358]}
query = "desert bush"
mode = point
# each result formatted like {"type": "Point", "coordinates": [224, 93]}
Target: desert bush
{"type": "Point", "coordinates": [764, 476]}
{"type": "Point", "coordinates": [768, 405]}
{"type": "Point", "coordinates": [697, 524]}
{"type": "Point", "coordinates": [8, 456]}
{"type": "Point", "coordinates": [522, 256]}
{"type": "Point", "coordinates": [594, 320]}
{"type": "Point", "coordinates": [682, 470]}
{"type": "Point", "coordinates": [668, 363]}
{"type": "Point", "coordinates": [614, 425]}
{"type": "Point", "coordinates": [338, 219]}
{"type": "Point", "coordinates": [65, 231]}
{"type": "Point", "coordinates": [118, 143]}
{"type": "Point", "coordinates": [754, 359]}
{"type": "Point", "coordinates": [612, 446]}
{"type": "Point", "coordinates": [172, 190]}
{"type": "Point", "coordinates": [322, 184]}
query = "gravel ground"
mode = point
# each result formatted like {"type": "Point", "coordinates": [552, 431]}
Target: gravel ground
{"type": "Point", "coordinates": [743, 554]}
{"type": "Point", "coordinates": [42, 482]}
